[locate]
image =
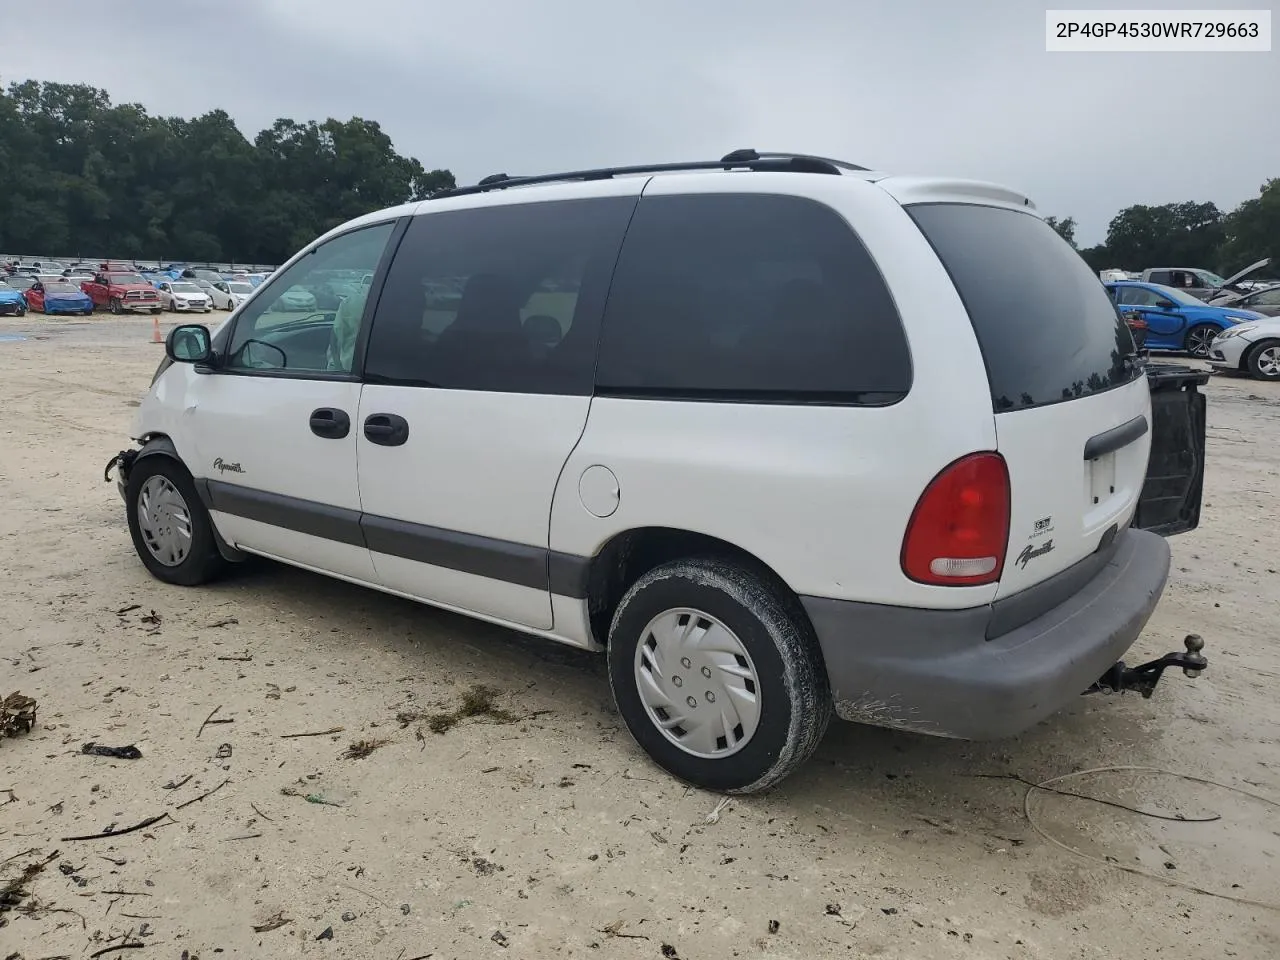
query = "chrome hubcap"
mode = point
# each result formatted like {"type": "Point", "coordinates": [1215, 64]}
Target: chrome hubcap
{"type": "Point", "coordinates": [164, 521]}
{"type": "Point", "coordinates": [1269, 361]}
{"type": "Point", "coordinates": [697, 683]}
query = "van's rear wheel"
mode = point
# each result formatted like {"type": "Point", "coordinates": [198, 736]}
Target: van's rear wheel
{"type": "Point", "coordinates": [1264, 361]}
{"type": "Point", "coordinates": [718, 675]}
{"type": "Point", "coordinates": [170, 527]}
{"type": "Point", "coordinates": [1198, 339]}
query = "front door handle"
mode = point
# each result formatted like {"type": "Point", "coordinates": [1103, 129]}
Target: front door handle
{"type": "Point", "coordinates": [386, 429]}
{"type": "Point", "coordinates": [330, 423]}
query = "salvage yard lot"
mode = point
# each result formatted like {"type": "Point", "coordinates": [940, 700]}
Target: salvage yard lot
{"type": "Point", "coordinates": [534, 827]}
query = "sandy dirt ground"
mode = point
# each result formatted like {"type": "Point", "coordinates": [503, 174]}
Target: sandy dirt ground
{"type": "Point", "coordinates": [552, 835]}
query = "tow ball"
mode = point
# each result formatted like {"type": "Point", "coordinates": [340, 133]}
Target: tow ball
{"type": "Point", "coordinates": [1144, 677]}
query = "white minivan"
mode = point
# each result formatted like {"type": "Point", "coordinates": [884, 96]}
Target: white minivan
{"type": "Point", "coordinates": [782, 435]}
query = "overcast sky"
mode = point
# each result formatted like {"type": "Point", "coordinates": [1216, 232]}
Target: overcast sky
{"type": "Point", "coordinates": [527, 86]}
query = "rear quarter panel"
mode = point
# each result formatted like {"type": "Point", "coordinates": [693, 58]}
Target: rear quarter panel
{"type": "Point", "coordinates": [822, 495]}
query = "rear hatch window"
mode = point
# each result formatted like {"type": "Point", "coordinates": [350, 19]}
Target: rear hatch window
{"type": "Point", "coordinates": [1047, 329]}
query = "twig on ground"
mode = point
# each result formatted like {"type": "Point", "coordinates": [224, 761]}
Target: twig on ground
{"type": "Point", "coordinates": [245, 659]}
{"type": "Point", "coordinates": [261, 814]}
{"type": "Point", "coordinates": [119, 946]}
{"type": "Point", "coordinates": [124, 893]}
{"type": "Point", "coordinates": [313, 733]}
{"type": "Point", "coordinates": [174, 786]}
{"type": "Point", "coordinates": [247, 836]}
{"type": "Point", "coordinates": [207, 719]}
{"type": "Point", "coordinates": [227, 622]}
{"type": "Point", "coordinates": [274, 922]}
{"type": "Point", "coordinates": [118, 833]}
{"type": "Point", "coordinates": [209, 793]}
{"type": "Point", "coordinates": [365, 893]}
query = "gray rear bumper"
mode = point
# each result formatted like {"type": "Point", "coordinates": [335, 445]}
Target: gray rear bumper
{"type": "Point", "coordinates": [935, 671]}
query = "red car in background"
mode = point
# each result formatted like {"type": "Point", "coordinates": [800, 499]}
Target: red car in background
{"type": "Point", "coordinates": [123, 292]}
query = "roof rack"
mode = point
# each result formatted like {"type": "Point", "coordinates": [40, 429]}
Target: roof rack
{"type": "Point", "coordinates": [745, 159]}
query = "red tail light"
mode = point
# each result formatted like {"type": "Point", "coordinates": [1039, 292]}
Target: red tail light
{"type": "Point", "coordinates": [959, 530]}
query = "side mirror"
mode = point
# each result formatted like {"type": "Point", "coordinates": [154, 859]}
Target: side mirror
{"type": "Point", "coordinates": [1165, 304]}
{"type": "Point", "coordinates": [189, 343]}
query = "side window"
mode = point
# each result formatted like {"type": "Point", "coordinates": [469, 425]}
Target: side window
{"type": "Point", "coordinates": [502, 298]}
{"type": "Point", "coordinates": [287, 329]}
{"type": "Point", "coordinates": [1164, 277]}
{"type": "Point", "coordinates": [1268, 298]}
{"type": "Point", "coordinates": [749, 297]}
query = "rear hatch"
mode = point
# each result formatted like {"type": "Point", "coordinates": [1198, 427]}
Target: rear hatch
{"type": "Point", "coordinates": [1072, 407]}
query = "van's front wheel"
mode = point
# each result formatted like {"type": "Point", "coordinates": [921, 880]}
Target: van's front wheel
{"type": "Point", "coordinates": [717, 674]}
{"type": "Point", "coordinates": [170, 527]}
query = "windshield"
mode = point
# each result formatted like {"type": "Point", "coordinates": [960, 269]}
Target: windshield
{"type": "Point", "coordinates": [126, 278]}
{"type": "Point", "coordinates": [1177, 296]}
{"type": "Point", "coordinates": [238, 287]}
{"type": "Point", "coordinates": [1212, 279]}
{"type": "Point", "coordinates": [184, 288]}
{"type": "Point", "coordinates": [22, 283]}
{"type": "Point", "coordinates": [61, 288]}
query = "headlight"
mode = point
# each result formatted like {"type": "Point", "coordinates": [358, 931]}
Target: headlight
{"type": "Point", "coordinates": [1231, 319]}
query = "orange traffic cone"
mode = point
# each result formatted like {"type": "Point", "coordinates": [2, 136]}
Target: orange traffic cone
{"type": "Point", "coordinates": [155, 329]}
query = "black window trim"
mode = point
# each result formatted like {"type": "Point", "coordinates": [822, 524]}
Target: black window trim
{"type": "Point", "coordinates": [399, 226]}
{"type": "Point", "coordinates": [1135, 369]}
{"type": "Point", "coordinates": [366, 328]}
{"type": "Point", "coordinates": [791, 398]}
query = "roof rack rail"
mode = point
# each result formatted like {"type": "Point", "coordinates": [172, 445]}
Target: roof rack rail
{"type": "Point", "coordinates": [745, 159]}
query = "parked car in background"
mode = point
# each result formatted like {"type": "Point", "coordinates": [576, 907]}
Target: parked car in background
{"type": "Point", "coordinates": [1175, 319]}
{"type": "Point", "coordinates": [212, 276]}
{"type": "Point", "coordinates": [123, 292]}
{"type": "Point", "coordinates": [297, 300]}
{"type": "Point", "coordinates": [183, 296]}
{"type": "Point", "coordinates": [229, 294]}
{"type": "Point", "coordinates": [59, 296]}
{"type": "Point", "coordinates": [1252, 348]}
{"type": "Point", "coordinates": [1200, 283]}
{"type": "Point", "coordinates": [1264, 300]}
{"type": "Point", "coordinates": [12, 302]}
{"type": "Point", "coordinates": [20, 281]}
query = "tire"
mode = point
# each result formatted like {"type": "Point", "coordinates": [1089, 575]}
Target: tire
{"type": "Point", "coordinates": [1198, 339]}
{"type": "Point", "coordinates": [155, 312]}
{"type": "Point", "coordinates": [780, 656]}
{"type": "Point", "coordinates": [115, 306]}
{"type": "Point", "coordinates": [1263, 360]}
{"type": "Point", "coordinates": [22, 311]}
{"type": "Point", "coordinates": [201, 562]}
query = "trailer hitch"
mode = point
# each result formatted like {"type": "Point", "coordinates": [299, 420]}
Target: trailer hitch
{"type": "Point", "coordinates": [1144, 677]}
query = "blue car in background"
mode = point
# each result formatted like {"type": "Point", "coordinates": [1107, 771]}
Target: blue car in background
{"type": "Point", "coordinates": [1175, 319]}
{"type": "Point", "coordinates": [12, 302]}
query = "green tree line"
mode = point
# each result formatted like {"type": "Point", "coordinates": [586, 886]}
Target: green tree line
{"type": "Point", "coordinates": [81, 176]}
{"type": "Point", "coordinates": [1187, 234]}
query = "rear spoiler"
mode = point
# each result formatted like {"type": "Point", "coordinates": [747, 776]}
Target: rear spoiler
{"type": "Point", "coordinates": [1174, 485]}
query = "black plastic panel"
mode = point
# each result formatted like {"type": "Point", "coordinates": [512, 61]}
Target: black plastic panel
{"type": "Point", "coordinates": [1174, 485]}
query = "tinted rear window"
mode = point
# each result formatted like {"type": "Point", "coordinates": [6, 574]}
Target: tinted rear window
{"type": "Point", "coordinates": [1046, 326]}
{"type": "Point", "coordinates": [749, 298]}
